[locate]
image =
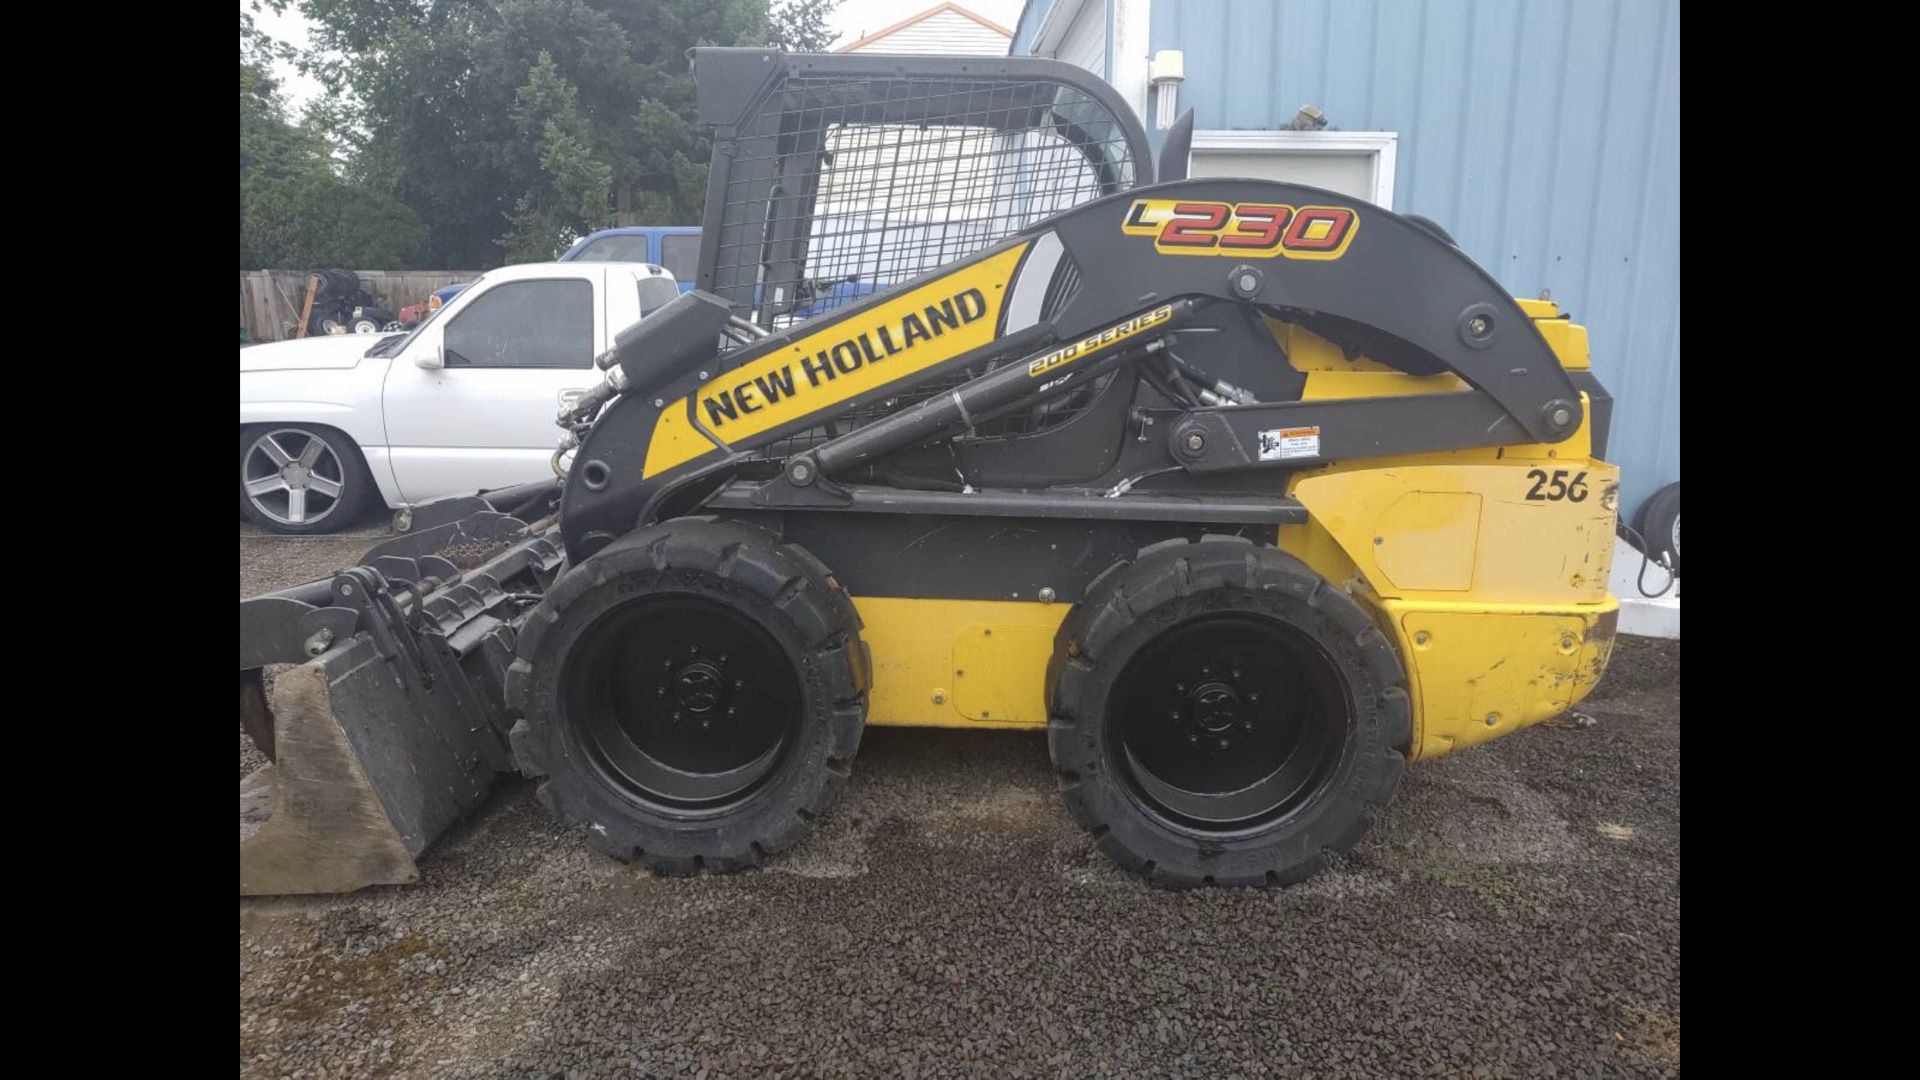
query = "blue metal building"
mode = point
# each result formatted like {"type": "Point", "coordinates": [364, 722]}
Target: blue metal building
{"type": "Point", "coordinates": [1543, 134]}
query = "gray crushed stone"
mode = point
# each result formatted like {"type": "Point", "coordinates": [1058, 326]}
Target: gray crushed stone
{"type": "Point", "coordinates": [1516, 913]}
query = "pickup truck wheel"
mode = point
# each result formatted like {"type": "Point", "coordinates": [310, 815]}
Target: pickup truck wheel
{"type": "Point", "coordinates": [297, 478]}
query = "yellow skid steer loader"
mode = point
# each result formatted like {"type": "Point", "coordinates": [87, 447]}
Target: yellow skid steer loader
{"type": "Point", "coordinates": [1246, 493]}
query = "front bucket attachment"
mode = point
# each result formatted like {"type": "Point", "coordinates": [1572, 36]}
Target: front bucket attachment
{"type": "Point", "coordinates": [389, 728]}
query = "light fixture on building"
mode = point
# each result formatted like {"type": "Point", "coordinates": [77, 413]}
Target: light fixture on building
{"type": "Point", "coordinates": [1167, 71]}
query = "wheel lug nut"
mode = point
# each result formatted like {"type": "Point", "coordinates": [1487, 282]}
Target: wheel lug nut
{"type": "Point", "coordinates": [1246, 725]}
{"type": "Point", "coordinates": [1253, 699]}
{"type": "Point", "coordinates": [705, 724]}
{"type": "Point", "coordinates": [731, 710]}
{"type": "Point", "coordinates": [1236, 673]}
{"type": "Point", "coordinates": [1176, 714]}
{"type": "Point", "coordinates": [739, 683]}
{"type": "Point", "coordinates": [1179, 688]}
{"type": "Point", "coordinates": [1224, 744]}
{"type": "Point", "coordinates": [1193, 738]}
{"type": "Point", "coordinates": [660, 692]}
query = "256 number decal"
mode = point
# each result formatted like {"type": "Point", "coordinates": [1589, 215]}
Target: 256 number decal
{"type": "Point", "coordinates": [1556, 487]}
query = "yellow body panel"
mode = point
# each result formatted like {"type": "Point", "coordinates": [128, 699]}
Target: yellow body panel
{"type": "Point", "coordinates": [675, 440]}
{"type": "Point", "coordinates": [1434, 530]}
{"type": "Point", "coordinates": [843, 359]}
{"type": "Point", "coordinates": [1479, 671]}
{"type": "Point", "coordinates": [958, 663]}
{"type": "Point", "coordinates": [1498, 606]}
{"type": "Point", "coordinates": [1496, 602]}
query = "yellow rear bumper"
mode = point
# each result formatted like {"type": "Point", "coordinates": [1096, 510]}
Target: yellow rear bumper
{"type": "Point", "coordinates": [1479, 671]}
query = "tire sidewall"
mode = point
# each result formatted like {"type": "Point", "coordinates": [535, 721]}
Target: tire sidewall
{"type": "Point", "coordinates": [356, 481]}
{"type": "Point", "coordinates": [576, 787]}
{"type": "Point", "coordinates": [1322, 822]}
{"type": "Point", "coordinates": [1658, 516]}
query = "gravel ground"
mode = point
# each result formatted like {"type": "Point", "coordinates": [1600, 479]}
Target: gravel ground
{"type": "Point", "coordinates": [1517, 912]}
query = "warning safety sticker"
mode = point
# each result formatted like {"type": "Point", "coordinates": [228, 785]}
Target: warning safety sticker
{"type": "Point", "coordinates": [1279, 444]}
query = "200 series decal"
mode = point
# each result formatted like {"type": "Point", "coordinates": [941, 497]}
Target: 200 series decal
{"type": "Point", "coordinates": [1243, 230]}
{"type": "Point", "coordinates": [1119, 331]}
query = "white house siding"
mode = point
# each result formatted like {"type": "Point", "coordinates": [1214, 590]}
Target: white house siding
{"type": "Point", "coordinates": [946, 34]}
{"type": "Point", "coordinates": [1085, 42]}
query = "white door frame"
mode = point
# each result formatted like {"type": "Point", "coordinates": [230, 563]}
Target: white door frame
{"type": "Point", "coordinates": [1382, 145]}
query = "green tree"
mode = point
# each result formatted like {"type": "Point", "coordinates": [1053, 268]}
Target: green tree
{"type": "Point", "coordinates": [568, 194]}
{"type": "Point", "coordinates": [801, 25]}
{"type": "Point", "coordinates": [497, 120]}
{"type": "Point", "coordinates": [320, 222]}
{"type": "Point", "coordinates": [271, 148]}
{"type": "Point", "coordinates": [295, 211]}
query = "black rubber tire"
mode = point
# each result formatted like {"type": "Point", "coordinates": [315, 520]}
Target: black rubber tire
{"type": "Point", "coordinates": [1128, 606]}
{"type": "Point", "coordinates": [745, 567]}
{"type": "Point", "coordinates": [1659, 524]}
{"type": "Point", "coordinates": [357, 493]}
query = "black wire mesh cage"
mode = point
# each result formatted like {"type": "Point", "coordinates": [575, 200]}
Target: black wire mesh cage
{"type": "Point", "coordinates": [835, 177]}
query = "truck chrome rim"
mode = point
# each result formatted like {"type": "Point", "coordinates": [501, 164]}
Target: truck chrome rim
{"type": "Point", "coordinates": [682, 702]}
{"type": "Point", "coordinates": [292, 476]}
{"type": "Point", "coordinates": [1228, 722]}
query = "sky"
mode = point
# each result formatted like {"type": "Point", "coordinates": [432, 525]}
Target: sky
{"type": "Point", "coordinates": [851, 19]}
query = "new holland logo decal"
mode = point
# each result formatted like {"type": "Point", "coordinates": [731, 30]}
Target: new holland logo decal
{"type": "Point", "coordinates": [1243, 230]}
{"type": "Point", "coordinates": [861, 347]}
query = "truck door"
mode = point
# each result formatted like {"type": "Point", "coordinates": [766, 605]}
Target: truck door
{"type": "Point", "coordinates": [513, 351]}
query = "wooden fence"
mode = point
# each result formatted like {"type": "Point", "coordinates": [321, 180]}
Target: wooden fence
{"type": "Point", "coordinates": [270, 299]}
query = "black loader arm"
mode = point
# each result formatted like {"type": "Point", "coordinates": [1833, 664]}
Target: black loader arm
{"type": "Point", "coordinates": [1077, 295]}
{"type": "Point", "coordinates": [1361, 276]}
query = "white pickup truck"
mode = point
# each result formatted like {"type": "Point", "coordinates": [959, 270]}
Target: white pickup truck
{"type": "Point", "coordinates": [465, 402]}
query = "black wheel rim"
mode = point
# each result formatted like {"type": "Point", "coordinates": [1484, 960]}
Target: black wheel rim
{"type": "Point", "coordinates": [682, 702]}
{"type": "Point", "coordinates": [1228, 722]}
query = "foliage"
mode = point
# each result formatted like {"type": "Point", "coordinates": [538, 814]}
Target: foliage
{"type": "Point", "coordinates": [801, 25]}
{"type": "Point", "coordinates": [505, 127]}
{"type": "Point", "coordinates": [295, 210]}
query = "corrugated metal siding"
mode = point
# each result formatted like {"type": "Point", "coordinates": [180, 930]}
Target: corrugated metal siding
{"type": "Point", "coordinates": [1543, 134]}
{"type": "Point", "coordinates": [945, 34]}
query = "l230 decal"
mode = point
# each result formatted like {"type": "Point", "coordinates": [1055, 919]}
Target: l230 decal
{"type": "Point", "coordinates": [1243, 230]}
